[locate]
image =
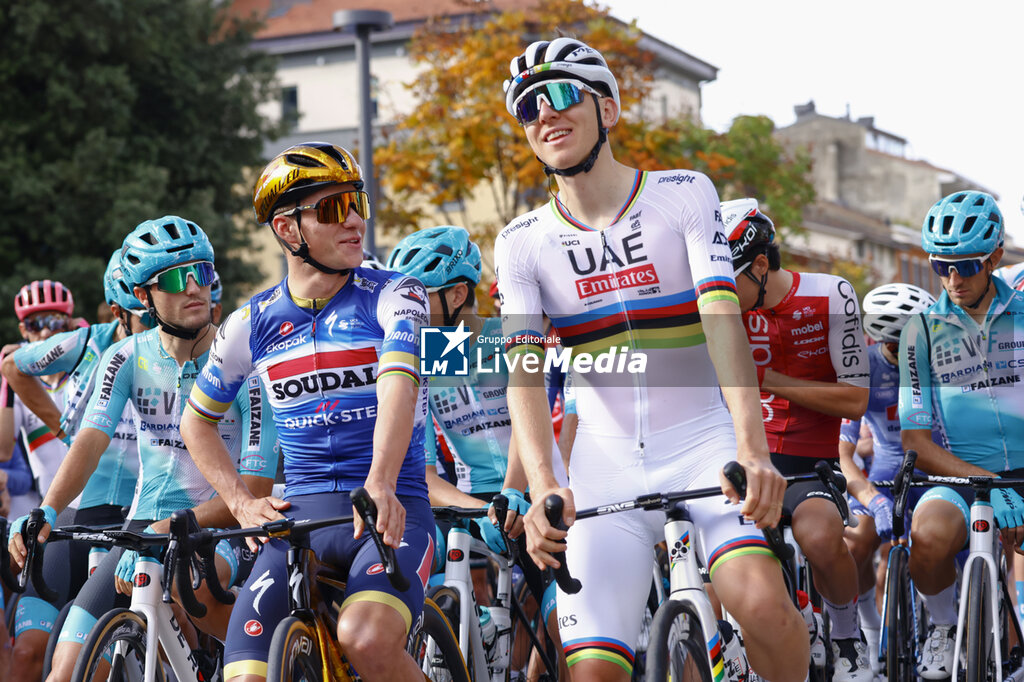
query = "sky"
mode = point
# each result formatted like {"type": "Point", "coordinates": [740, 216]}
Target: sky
{"type": "Point", "coordinates": [946, 76]}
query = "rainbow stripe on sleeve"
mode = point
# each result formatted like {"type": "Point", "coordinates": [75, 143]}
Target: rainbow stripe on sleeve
{"type": "Point", "coordinates": [399, 362]}
{"type": "Point", "coordinates": [716, 289]}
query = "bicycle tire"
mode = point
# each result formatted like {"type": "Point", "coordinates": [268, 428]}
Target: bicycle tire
{"type": "Point", "coordinates": [448, 601]}
{"type": "Point", "coordinates": [51, 641]}
{"type": "Point", "coordinates": [115, 627]}
{"type": "Point", "coordinates": [644, 641]}
{"type": "Point", "coordinates": [434, 647]}
{"type": "Point", "coordinates": [899, 618]}
{"type": "Point", "coordinates": [677, 649]}
{"type": "Point", "coordinates": [977, 635]}
{"type": "Point", "coordinates": [294, 653]}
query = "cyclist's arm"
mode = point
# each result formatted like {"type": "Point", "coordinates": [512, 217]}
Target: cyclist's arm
{"type": "Point", "coordinates": [214, 513]}
{"type": "Point", "coordinates": [8, 429]}
{"type": "Point", "coordinates": [935, 459]}
{"type": "Point", "coordinates": [55, 354]}
{"type": "Point", "coordinates": [444, 494]}
{"type": "Point", "coordinates": [857, 484]}
{"type": "Point", "coordinates": [838, 399]}
{"type": "Point", "coordinates": [79, 464]}
{"type": "Point", "coordinates": [515, 474]}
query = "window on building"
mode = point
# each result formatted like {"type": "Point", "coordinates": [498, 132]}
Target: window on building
{"type": "Point", "coordinates": [290, 105]}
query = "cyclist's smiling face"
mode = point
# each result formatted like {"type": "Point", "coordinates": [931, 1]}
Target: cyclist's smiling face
{"type": "Point", "coordinates": [564, 138]}
{"type": "Point", "coordinates": [336, 245]}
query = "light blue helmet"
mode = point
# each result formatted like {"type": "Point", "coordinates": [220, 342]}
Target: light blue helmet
{"type": "Point", "coordinates": [438, 257]}
{"type": "Point", "coordinates": [963, 223]}
{"type": "Point", "coordinates": [115, 290]}
{"type": "Point", "coordinates": [157, 245]}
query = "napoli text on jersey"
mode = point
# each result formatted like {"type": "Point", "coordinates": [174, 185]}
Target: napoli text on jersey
{"type": "Point", "coordinates": [813, 333]}
{"type": "Point", "coordinates": [969, 377]}
{"type": "Point", "coordinates": [320, 369]}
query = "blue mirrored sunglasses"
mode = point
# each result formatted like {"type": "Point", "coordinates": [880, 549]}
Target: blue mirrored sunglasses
{"type": "Point", "coordinates": [965, 267]}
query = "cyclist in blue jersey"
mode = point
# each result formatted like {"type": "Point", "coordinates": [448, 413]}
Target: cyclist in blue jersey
{"type": "Point", "coordinates": [216, 293]}
{"type": "Point", "coordinates": [959, 367]}
{"type": "Point", "coordinates": [886, 309]}
{"type": "Point", "coordinates": [627, 258]}
{"type": "Point", "coordinates": [336, 346]}
{"type": "Point", "coordinates": [169, 263]}
{"type": "Point", "coordinates": [111, 487]}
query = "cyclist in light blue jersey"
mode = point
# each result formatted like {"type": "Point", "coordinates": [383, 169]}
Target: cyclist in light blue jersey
{"type": "Point", "coordinates": [169, 263]}
{"type": "Point", "coordinates": [111, 487]}
{"type": "Point", "coordinates": [960, 366]}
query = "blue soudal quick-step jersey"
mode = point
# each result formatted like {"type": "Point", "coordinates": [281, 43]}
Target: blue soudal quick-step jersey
{"type": "Point", "coordinates": [78, 353]}
{"type": "Point", "coordinates": [320, 369]}
{"type": "Point", "coordinates": [139, 372]}
{"type": "Point", "coordinates": [882, 416]}
{"type": "Point", "coordinates": [968, 378]}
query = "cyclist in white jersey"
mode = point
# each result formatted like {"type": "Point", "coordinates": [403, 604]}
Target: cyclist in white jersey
{"type": "Point", "coordinates": [623, 258]}
{"type": "Point", "coordinates": [959, 366]}
{"type": "Point", "coordinates": [169, 261]}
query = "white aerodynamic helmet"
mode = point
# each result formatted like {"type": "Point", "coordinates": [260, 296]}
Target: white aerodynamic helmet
{"type": "Point", "coordinates": [562, 59]}
{"type": "Point", "coordinates": [888, 307]}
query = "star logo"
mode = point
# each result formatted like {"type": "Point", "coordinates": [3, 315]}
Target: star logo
{"type": "Point", "coordinates": [444, 351]}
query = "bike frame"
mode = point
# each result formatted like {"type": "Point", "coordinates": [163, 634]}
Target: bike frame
{"type": "Point", "coordinates": [162, 629]}
{"type": "Point", "coordinates": [983, 548]}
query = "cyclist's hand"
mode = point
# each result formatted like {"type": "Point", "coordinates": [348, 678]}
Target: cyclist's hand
{"type": "Point", "coordinates": [124, 571]}
{"type": "Point", "coordinates": [542, 539]}
{"type": "Point", "coordinates": [16, 544]}
{"type": "Point", "coordinates": [491, 535]}
{"type": "Point", "coordinates": [390, 513]}
{"type": "Point", "coordinates": [881, 510]}
{"type": "Point", "coordinates": [255, 511]}
{"type": "Point", "coordinates": [765, 490]}
{"type": "Point", "coordinates": [517, 508]}
{"type": "Point", "coordinates": [1009, 511]}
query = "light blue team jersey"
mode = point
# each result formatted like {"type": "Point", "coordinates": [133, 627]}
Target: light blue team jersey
{"type": "Point", "coordinates": [78, 354]}
{"type": "Point", "coordinates": [472, 414]}
{"type": "Point", "coordinates": [139, 372]}
{"type": "Point", "coordinates": [968, 378]}
{"type": "Point", "coordinates": [882, 416]}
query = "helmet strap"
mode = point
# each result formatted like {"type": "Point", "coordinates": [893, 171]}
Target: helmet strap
{"type": "Point", "coordinates": [761, 286]}
{"type": "Point", "coordinates": [302, 251]}
{"type": "Point", "coordinates": [586, 164]}
{"type": "Point", "coordinates": [449, 317]}
{"type": "Point", "coordinates": [173, 330]}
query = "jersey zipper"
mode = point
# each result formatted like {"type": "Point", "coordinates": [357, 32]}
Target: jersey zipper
{"type": "Point", "coordinates": [640, 421]}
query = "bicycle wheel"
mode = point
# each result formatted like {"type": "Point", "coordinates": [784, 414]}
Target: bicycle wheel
{"type": "Point", "coordinates": [677, 649]}
{"type": "Point", "coordinates": [899, 618]}
{"type": "Point", "coordinates": [294, 654]}
{"type": "Point", "coordinates": [120, 638]}
{"type": "Point", "coordinates": [434, 647]}
{"type": "Point", "coordinates": [644, 641]}
{"type": "Point", "coordinates": [447, 600]}
{"type": "Point", "coordinates": [976, 646]}
{"type": "Point", "coordinates": [51, 642]}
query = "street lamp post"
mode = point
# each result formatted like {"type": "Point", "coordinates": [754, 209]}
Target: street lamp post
{"type": "Point", "coordinates": [365, 21]}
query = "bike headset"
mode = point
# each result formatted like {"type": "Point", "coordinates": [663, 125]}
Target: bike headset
{"type": "Point", "coordinates": [158, 245]}
{"type": "Point", "coordinates": [750, 233]}
{"type": "Point", "coordinates": [116, 290]}
{"type": "Point", "coordinates": [43, 295]}
{"type": "Point", "coordinates": [961, 224]}
{"type": "Point", "coordinates": [440, 257]}
{"type": "Point", "coordinates": [295, 173]}
{"type": "Point", "coordinates": [566, 60]}
{"type": "Point", "coordinates": [888, 307]}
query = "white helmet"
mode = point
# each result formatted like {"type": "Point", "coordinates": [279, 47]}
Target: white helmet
{"type": "Point", "coordinates": [370, 261]}
{"type": "Point", "coordinates": [888, 307]}
{"type": "Point", "coordinates": [562, 59]}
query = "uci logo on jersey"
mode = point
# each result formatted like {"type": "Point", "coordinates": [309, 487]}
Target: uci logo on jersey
{"type": "Point", "coordinates": [444, 351]}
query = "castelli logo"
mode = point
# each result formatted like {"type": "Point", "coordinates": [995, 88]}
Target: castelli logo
{"type": "Point", "coordinates": [254, 628]}
{"type": "Point", "coordinates": [376, 569]}
{"type": "Point", "coordinates": [981, 526]}
{"type": "Point", "coordinates": [455, 555]}
{"type": "Point", "coordinates": [286, 328]}
{"type": "Point", "coordinates": [142, 579]}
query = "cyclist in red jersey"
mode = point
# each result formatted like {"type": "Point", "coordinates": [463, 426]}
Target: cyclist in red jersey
{"type": "Point", "coordinates": [808, 346]}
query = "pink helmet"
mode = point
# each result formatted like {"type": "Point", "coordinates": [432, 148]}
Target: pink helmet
{"type": "Point", "coordinates": [43, 295]}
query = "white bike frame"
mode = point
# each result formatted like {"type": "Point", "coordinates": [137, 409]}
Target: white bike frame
{"type": "Point", "coordinates": [458, 576]}
{"type": "Point", "coordinates": [162, 627]}
{"type": "Point", "coordinates": [983, 548]}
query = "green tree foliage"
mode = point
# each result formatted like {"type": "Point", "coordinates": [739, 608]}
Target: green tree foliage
{"type": "Point", "coordinates": [116, 112]}
{"type": "Point", "coordinates": [459, 145]}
